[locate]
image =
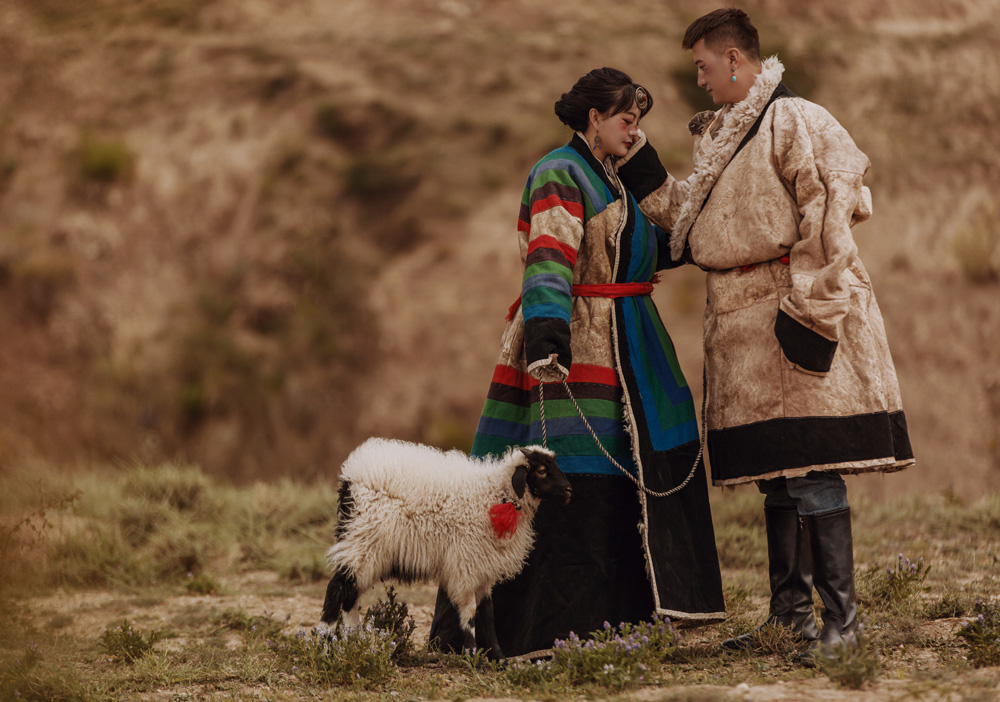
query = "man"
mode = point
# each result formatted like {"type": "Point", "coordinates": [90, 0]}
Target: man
{"type": "Point", "coordinates": [801, 385]}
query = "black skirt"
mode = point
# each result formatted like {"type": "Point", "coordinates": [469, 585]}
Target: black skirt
{"type": "Point", "coordinates": [587, 567]}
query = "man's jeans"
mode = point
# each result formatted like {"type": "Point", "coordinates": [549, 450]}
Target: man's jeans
{"type": "Point", "coordinates": [813, 493]}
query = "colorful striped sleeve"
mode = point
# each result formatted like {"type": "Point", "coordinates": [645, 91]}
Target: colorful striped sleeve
{"type": "Point", "coordinates": [552, 214]}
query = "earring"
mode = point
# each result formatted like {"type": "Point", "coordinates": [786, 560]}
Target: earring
{"type": "Point", "coordinates": [597, 142]}
{"type": "Point", "coordinates": [734, 73]}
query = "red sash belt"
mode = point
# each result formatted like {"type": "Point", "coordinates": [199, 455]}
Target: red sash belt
{"type": "Point", "coordinates": [744, 269]}
{"type": "Point", "coordinates": [600, 290]}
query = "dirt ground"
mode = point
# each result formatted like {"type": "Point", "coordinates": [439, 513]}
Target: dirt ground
{"type": "Point", "coordinates": [80, 614]}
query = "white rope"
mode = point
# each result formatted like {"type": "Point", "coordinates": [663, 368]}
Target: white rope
{"type": "Point", "coordinates": [634, 479]}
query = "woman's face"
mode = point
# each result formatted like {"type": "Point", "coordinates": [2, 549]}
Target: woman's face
{"type": "Point", "coordinates": [618, 132]}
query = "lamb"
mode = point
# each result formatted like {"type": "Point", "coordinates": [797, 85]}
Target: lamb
{"type": "Point", "coordinates": [413, 513]}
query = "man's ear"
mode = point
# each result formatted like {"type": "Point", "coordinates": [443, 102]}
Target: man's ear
{"type": "Point", "coordinates": [519, 481]}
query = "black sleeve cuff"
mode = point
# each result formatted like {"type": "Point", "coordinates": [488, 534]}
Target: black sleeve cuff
{"type": "Point", "coordinates": [643, 173]}
{"type": "Point", "coordinates": [664, 261]}
{"type": "Point", "coordinates": [544, 336]}
{"type": "Point", "coordinates": [802, 346]}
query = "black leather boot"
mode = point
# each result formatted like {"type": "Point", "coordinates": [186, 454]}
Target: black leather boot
{"type": "Point", "coordinates": [833, 575]}
{"type": "Point", "coordinates": [790, 572]}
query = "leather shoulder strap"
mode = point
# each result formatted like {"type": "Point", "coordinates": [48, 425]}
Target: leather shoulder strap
{"type": "Point", "coordinates": [780, 92]}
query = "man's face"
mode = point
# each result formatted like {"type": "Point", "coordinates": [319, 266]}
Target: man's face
{"type": "Point", "coordinates": [715, 74]}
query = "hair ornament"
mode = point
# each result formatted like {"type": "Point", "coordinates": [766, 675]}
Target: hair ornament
{"type": "Point", "coordinates": [641, 97]}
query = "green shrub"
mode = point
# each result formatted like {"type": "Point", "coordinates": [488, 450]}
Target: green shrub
{"type": "Point", "coordinates": [359, 656]}
{"type": "Point", "coordinates": [181, 487]}
{"type": "Point", "coordinates": [140, 520]}
{"type": "Point", "coordinates": [309, 568]}
{"type": "Point", "coordinates": [96, 556]}
{"type": "Point", "coordinates": [202, 584]}
{"type": "Point", "coordinates": [125, 643]}
{"type": "Point", "coordinates": [890, 589]}
{"type": "Point", "coordinates": [181, 551]}
{"type": "Point", "coordinates": [982, 635]}
{"type": "Point", "coordinates": [977, 245]}
{"type": "Point", "coordinates": [774, 638]}
{"type": "Point", "coordinates": [26, 680]}
{"type": "Point", "coordinates": [102, 161]}
{"type": "Point", "coordinates": [851, 664]}
{"type": "Point", "coordinates": [333, 124]}
{"type": "Point", "coordinates": [380, 178]}
{"type": "Point", "coordinates": [948, 605]}
{"type": "Point", "coordinates": [284, 513]}
{"type": "Point", "coordinates": [615, 658]}
{"type": "Point", "coordinates": [536, 676]}
{"type": "Point", "coordinates": [251, 626]}
{"type": "Point", "coordinates": [394, 617]}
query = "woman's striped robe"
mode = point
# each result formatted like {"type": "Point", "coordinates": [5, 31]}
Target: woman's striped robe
{"type": "Point", "coordinates": [614, 554]}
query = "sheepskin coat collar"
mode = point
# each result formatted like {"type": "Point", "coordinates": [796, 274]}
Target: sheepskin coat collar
{"type": "Point", "coordinates": [717, 151]}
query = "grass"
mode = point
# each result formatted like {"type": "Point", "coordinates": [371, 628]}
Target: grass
{"type": "Point", "coordinates": [128, 579]}
{"type": "Point", "coordinates": [102, 161]}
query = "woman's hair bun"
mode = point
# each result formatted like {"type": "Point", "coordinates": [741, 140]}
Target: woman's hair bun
{"type": "Point", "coordinates": [607, 90]}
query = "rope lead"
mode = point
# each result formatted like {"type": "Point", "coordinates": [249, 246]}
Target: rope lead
{"type": "Point", "coordinates": [634, 479]}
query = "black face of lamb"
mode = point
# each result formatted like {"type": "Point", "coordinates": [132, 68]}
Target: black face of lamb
{"type": "Point", "coordinates": [341, 595]}
{"type": "Point", "coordinates": [545, 479]}
{"type": "Point", "coordinates": [345, 507]}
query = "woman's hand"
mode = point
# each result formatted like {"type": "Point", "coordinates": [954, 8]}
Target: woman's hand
{"type": "Point", "coordinates": [640, 141]}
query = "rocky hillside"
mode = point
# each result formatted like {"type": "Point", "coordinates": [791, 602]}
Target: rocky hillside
{"type": "Point", "coordinates": [249, 234]}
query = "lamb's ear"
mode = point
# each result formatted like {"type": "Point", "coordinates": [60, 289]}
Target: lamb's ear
{"type": "Point", "coordinates": [519, 481]}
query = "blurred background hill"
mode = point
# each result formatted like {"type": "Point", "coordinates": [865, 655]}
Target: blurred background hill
{"type": "Point", "coordinates": [251, 233]}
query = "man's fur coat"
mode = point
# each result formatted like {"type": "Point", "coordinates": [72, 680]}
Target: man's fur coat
{"type": "Point", "coordinates": [800, 377]}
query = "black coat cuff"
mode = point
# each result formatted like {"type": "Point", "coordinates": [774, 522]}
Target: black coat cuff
{"type": "Point", "coordinates": [544, 336]}
{"type": "Point", "coordinates": [643, 173]}
{"type": "Point", "coordinates": [802, 346]}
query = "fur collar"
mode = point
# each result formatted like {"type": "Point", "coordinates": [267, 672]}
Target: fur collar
{"type": "Point", "coordinates": [714, 156]}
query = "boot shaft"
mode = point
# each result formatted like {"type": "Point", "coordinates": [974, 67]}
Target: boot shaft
{"type": "Point", "coordinates": [789, 568]}
{"type": "Point", "coordinates": [832, 547]}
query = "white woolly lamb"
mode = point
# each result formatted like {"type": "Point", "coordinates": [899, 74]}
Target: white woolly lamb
{"type": "Point", "coordinates": [414, 513]}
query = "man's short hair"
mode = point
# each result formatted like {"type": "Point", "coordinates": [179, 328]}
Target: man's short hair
{"type": "Point", "coordinates": [723, 29]}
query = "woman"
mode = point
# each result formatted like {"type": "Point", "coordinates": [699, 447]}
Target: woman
{"type": "Point", "coordinates": [586, 315]}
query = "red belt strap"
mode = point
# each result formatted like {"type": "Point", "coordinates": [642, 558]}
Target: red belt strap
{"type": "Point", "coordinates": [784, 259]}
{"type": "Point", "coordinates": [611, 290]}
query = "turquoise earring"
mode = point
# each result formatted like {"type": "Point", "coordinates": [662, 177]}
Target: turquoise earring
{"type": "Point", "coordinates": [734, 78]}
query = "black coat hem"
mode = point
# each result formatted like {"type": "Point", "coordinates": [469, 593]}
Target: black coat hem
{"type": "Point", "coordinates": [795, 445]}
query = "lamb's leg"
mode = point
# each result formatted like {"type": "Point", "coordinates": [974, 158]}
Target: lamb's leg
{"type": "Point", "coordinates": [352, 617]}
{"type": "Point", "coordinates": [486, 624]}
{"type": "Point", "coordinates": [341, 594]}
{"type": "Point", "coordinates": [467, 622]}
